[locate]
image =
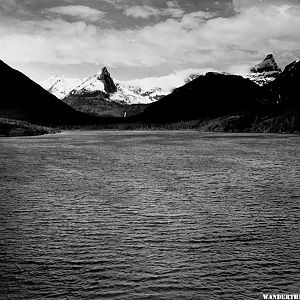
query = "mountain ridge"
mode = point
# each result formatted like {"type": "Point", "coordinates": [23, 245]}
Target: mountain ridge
{"type": "Point", "coordinates": [118, 91]}
{"type": "Point", "coordinates": [101, 95]}
{"type": "Point", "coordinates": [214, 101]}
{"type": "Point", "coordinates": [237, 104]}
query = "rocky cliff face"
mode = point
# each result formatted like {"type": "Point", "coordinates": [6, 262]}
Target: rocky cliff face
{"type": "Point", "coordinates": [267, 65]}
{"type": "Point", "coordinates": [109, 85]}
{"type": "Point", "coordinates": [264, 72]}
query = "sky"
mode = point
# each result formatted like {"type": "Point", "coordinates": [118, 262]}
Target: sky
{"type": "Point", "coordinates": [145, 38]}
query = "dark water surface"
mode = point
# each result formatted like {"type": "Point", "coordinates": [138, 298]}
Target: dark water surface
{"type": "Point", "coordinates": [149, 215]}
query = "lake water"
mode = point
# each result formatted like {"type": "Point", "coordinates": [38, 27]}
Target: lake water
{"type": "Point", "coordinates": [149, 215]}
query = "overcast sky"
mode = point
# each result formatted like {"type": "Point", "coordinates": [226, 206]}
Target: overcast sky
{"type": "Point", "coordinates": [142, 38]}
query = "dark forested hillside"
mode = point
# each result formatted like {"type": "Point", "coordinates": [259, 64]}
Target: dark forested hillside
{"type": "Point", "coordinates": [208, 96]}
{"type": "Point", "coordinates": [23, 99]}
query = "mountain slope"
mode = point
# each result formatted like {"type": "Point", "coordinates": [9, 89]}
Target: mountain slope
{"type": "Point", "coordinates": [23, 99]}
{"type": "Point", "coordinates": [99, 95]}
{"type": "Point", "coordinates": [207, 96]}
{"type": "Point", "coordinates": [98, 104]}
{"type": "Point", "coordinates": [220, 102]}
{"type": "Point", "coordinates": [285, 89]}
{"type": "Point", "coordinates": [60, 86]}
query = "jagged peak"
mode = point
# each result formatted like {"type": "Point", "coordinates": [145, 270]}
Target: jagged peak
{"type": "Point", "coordinates": [269, 56]}
{"type": "Point", "coordinates": [267, 65]}
{"type": "Point", "coordinates": [105, 77]}
{"type": "Point", "coordinates": [105, 71]}
{"type": "Point", "coordinates": [102, 72]}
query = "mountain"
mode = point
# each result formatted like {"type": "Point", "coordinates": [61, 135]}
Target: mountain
{"type": "Point", "coordinates": [99, 95]}
{"type": "Point", "coordinates": [267, 65]}
{"type": "Point", "coordinates": [208, 96]}
{"type": "Point", "coordinates": [23, 99]}
{"type": "Point", "coordinates": [224, 102]}
{"type": "Point", "coordinates": [264, 72]}
{"type": "Point", "coordinates": [60, 86]}
{"type": "Point", "coordinates": [285, 89]}
{"type": "Point", "coordinates": [211, 102]}
{"type": "Point", "coordinates": [122, 92]}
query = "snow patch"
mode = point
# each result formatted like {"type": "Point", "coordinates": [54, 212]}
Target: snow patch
{"type": "Point", "coordinates": [138, 91]}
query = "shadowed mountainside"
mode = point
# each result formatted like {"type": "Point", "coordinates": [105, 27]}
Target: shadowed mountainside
{"type": "Point", "coordinates": [208, 96]}
{"type": "Point", "coordinates": [222, 102]}
{"type": "Point", "coordinates": [96, 103]}
{"type": "Point", "coordinates": [23, 99]}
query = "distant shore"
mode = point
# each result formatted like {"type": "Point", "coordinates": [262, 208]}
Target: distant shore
{"type": "Point", "coordinates": [12, 128]}
{"type": "Point", "coordinates": [238, 123]}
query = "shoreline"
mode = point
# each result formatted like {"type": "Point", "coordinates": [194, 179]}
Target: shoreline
{"type": "Point", "coordinates": [205, 134]}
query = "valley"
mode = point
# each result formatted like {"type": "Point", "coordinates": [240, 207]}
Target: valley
{"type": "Point", "coordinates": [265, 100]}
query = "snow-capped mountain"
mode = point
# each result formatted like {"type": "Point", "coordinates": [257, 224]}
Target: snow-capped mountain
{"type": "Point", "coordinates": [100, 95]}
{"type": "Point", "coordinates": [60, 86]}
{"type": "Point", "coordinates": [137, 91]}
{"type": "Point", "coordinates": [131, 94]}
{"type": "Point", "coordinates": [264, 72]}
{"type": "Point", "coordinates": [124, 92]}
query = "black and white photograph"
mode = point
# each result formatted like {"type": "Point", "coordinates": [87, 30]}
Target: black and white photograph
{"type": "Point", "coordinates": [150, 149]}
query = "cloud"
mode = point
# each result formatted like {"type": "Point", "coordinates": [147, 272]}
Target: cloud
{"type": "Point", "coordinates": [198, 39]}
{"type": "Point", "coordinates": [8, 7]}
{"type": "Point", "coordinates": [168, 82]}
{"type": "Point", "coordinates": [7, 4]}
{"type": "Point", "coordinates": [146, 11]}
{"type": "Point", "coordinates": [242, 5]}
{"type": "Point", "coordinates": [143, 12]}
{"type": "Point", "coordinates": [78, 11]}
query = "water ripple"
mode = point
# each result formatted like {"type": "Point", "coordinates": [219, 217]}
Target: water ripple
{"type": "Point", "coordinates": [149, 215]}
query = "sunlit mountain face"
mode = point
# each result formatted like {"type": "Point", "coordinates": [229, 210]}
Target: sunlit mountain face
{"type": "Point", "coordinates": [138, 39]}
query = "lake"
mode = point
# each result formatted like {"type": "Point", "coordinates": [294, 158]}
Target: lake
{"type": "Point", "coordinates": [149, 215]}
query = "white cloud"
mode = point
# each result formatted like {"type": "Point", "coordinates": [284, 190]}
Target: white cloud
{"type": "Point", "coordinates": [242, 5]}
{"type": "Point", "coordinates": [146, 11]}
{"type": "Point", "coordinates": [142, 11]}
{"type": "Point", "coordinates": [168, 82]}
{"type": "Point", "coordinates": [78, 11]}
{"type": "Point", "coordinates": [197, 38]}
{"type": "Point", "coordinates": [239, 69]}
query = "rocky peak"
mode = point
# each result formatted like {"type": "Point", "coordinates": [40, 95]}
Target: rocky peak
{"type": "Point", "coordinates": [108, 82]}
{"type": "Point", "coordinates": [267, 65]}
